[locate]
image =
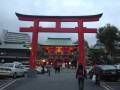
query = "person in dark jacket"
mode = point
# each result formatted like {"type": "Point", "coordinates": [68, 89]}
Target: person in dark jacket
{"type": "Point", "coordinates": [80, 75]}
{"type": "Point", "coordinates": [97, 73]}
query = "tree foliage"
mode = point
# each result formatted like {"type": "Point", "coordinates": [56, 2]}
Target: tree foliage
{"type": "Point", "coordinates": [95, 55]}
{"type": "Point", "coordinates": [85, 43]}
{"type": "Point", "coordinates": [75, 53]}
{"type": "Point", "coordinates": [109, 36]}
{"type": "Point", "coordinates": [41, 53]}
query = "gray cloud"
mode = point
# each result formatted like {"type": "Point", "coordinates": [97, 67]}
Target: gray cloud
{"type": "Point", "coordinates": [9, 21]}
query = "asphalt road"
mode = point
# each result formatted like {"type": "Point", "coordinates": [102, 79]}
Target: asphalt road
{"type": "Point", "coordinates": [112, 85]}
{"type": "Point", "coordinates": [64, 81]}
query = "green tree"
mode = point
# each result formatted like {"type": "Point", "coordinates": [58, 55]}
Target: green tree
{"type": "Point", "coordinates": [40, 52]}
{"type": "Point", "coordinates": [109, 36]}
{"type": "Point", "coordinates": [75, 53]}
{"type": "Point", "coordinates": [85, 43]}
{"type": "Point", "coordinates": [95, 56]}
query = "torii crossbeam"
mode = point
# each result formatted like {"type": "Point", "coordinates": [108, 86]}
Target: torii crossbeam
{"type": "Point", "coordinates": [58, 19]}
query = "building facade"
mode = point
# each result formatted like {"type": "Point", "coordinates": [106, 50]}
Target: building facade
{"type": "Point", "coordinates": [14, 46]}
{"type": "Point", "coordinates": [115, 54]}
{"type": "Point", "coordinates": [59, 51]}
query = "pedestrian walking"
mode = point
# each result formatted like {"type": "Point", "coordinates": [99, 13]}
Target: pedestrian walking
{"type": "Point", "coordinates": [55, 68]}
{"type": "Point", "coordinates": [48, 69]}
{"type": "Point", "coordinates": [97, 73]}
{"type": "Point", "coordinates": [43, 69]}
{"type": "Point", "coordinates": [80, 75]}
{"type": "Point", "coordinates": [58, 69]}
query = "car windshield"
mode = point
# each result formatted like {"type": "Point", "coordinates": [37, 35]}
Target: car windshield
{"type": "Point", "coordinates": [108, 67]}
{"type": "Point", "coordinates": [1, 64]}
{"type": "Point", "coordinates": [7, 65]}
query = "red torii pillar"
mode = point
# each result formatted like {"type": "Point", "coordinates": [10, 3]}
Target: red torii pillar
{"type": "Point", "coordinates": [58, 19]}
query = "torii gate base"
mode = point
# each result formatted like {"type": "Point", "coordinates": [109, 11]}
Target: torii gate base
{"type": "Point", "coordinates": [58, 19]}
{"type": "Point", "coordinates": [31, 73]}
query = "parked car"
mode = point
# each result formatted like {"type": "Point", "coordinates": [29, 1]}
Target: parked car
{"type": "Point", "coordinates": [11, 70]}
{"type": "Point", "coordinates": [1, 64]}
{"type": "Point", "coordinates": [117, 66]}
{"type": "Point", "coordinates": [25, 68]}
{"type": "Point", "coordinates": [88, 68]}
{"type": "Point", "coordinates": [39, 69]}
{"type": "Point", "coordinates": [107, 72]}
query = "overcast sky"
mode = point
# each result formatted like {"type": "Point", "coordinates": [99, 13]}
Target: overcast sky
{"type": "Point", "coordinates": [10, 22]}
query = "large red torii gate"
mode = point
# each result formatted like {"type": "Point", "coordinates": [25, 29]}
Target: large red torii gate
{"type": "Point", "coordinates": [58, 19]}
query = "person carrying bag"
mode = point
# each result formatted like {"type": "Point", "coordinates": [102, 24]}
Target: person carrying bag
{"type": "Point", "coordinates": [80, 75]}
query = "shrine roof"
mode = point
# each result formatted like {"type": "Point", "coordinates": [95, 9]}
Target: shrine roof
{"type": "Point", "coordinates": [63, 18]}
{"type": "Point", "coordinates": [84, 16]}
{"type": "Point", "coordinates": [59, 42]}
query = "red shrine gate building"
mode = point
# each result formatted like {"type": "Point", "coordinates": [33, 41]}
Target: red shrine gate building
{"type": "Point", "coordinates": [35, 29]}
{"type": "Point", "coordinates": [59, 51]}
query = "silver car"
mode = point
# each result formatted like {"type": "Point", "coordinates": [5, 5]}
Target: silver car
{"type": "Point", "coordinates": [25, 68]}
{"type": "Point", "coordinates": [11, 70]}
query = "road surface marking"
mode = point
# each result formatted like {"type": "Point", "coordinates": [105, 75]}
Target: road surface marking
{"type": "Point", "coordinates": [7, 84]}
{"type": "Point", "coordinates": [106, 86]}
